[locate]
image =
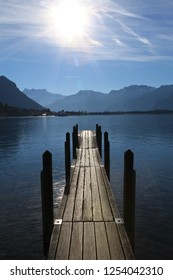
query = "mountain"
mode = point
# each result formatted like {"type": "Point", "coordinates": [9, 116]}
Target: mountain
{"type": "Point", "coordinates": [161, 98]}
{"type": "Point", "coordinates": [132, 98]}
{"type": "Point", "coordinates": [86, 100]}
{"type": "Point", "coordinates": [126, 99]}
{"type": "Point", "coordinates": [12, 96]}
{"type": "Point", "coordinates": [42, 96]}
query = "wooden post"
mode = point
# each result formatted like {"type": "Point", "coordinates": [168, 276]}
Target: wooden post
{"type": "Point", "coordinates": [100, 140]}
{"type": "Point", "coordinates": [129, 196]}
{"type": "Point", "coordinates": [74, 142]}
{"type": "Point", "coordinates": [97, 133]}
{"type": "Point", "coordinates": [47, 200]}
{"type": "Point", "coordinates": [107, 154]}
{"type": "Point", "coordinates": [67, 163]}
{"type": "Point", "coordinates": [77, 139]}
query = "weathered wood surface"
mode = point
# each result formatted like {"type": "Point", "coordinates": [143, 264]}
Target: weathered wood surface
{"type": "Point", "coordinates": [89, 228]}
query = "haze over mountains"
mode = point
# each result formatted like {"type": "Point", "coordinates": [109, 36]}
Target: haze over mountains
{"type": "Point", "coordinates": [42, 96]}
{"type": "Point", "coordinates": [132, 98]}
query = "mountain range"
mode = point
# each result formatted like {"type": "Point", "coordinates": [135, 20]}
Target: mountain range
{"type": "Point", "coordinates": [131, 98]}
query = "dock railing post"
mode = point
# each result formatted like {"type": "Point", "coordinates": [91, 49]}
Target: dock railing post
{"type": "Point", "coordinates": [74, 139]}
{"type": "Point", "coordinates": [97, 132]}
{"type": "Point", "coordinates": [47, 200]}
{"type": "Point", "coordinates": [129, 196]}
{"type": "Point", "coordinates": [99, 142]}
{"type": "Point", "coordinates": [107, 154]}
{"type": "Point", "coordinates": [67, 163]}
{"type": "Point", "coordinates": [77, 139]}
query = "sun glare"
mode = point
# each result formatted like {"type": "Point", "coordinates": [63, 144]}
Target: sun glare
{"type": "Point", "coordinates": [69, 19]}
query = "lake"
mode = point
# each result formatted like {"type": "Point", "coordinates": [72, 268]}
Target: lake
{"type": "Point", "coordinates": [22, 143]}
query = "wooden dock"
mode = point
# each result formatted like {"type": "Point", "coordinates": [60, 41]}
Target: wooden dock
{"type": "Point", "coordinates": [88, 225]}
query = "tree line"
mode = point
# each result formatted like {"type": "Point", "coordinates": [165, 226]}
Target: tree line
{"type": "Point", "coordinates": [7, 111]}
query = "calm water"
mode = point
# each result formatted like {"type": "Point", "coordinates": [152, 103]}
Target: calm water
{"type": "Point", "coordinates": [22, 142]}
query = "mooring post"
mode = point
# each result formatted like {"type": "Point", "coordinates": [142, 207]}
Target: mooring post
{"type": "Point", "coordinates": [77, 139]}
{"type": "Point", "coordinates": [74, 139]}
{"type": "Point", "coordinates": [100, 140]}
{"type": "Point", "coordinates": [47, 199]}
{"type": "Point", "coordinates": [67, 163]}
{"type": "Point", "coordinates": [107, 154]}
{"type": "Point", "coordinates": [97, 133]}
{"type": "Point", "coordinates": [129, 196]}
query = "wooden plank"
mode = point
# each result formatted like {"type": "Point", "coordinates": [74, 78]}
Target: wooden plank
{"type": "Point", "coordinates": [111, 197]}
{"type": "Point", "coordinates": [94, 140]}
{"type": "Point", "coordinates": [81, 139]}
{"type": "Point", "coordinates": [95, 156]}
{"type": "Point", "coordinates": [97, 212]}
{"type": "Point", "coordinates": [79, 154]}
{"type": "Point", "coordinates": [129, 255]}
{"type": "Point", "coordinates": [64, 242]}
{"type": "Point", "coordinates": [76, 241]}
{"type": "Point", "coordinates": [98, 158]}
{"type": "Point", "coordinates": [53, 242]}
{"type": "Point", "coordinates": [78, 209]}
{"type": "Point", "coordinates": [61, 209]}
{"type": "Point", "coordinates": [91, 158]}
{"type": "Point", "coordinates": [82, 163]}
{"type": "Point", "coordinates": [89, 139]}
{"type": "Point", "coordinates": [68, 212]}
{"type": "Point", "coordinates": [85, 146]}
{"type": "Point", "coordinates": [87, 161]}
{"type": "Point", "coordinates": [84, 139]}
{"type": "Point", "coordinates": [88, 135]}
{"type": "Point", "coordinates": [101, 241]}
{"type": "Point", "coordinates": [74, 179]}
{"type": "Point", "coordinates": [106, 208]}
{"type": "Point", "coordinates": [89, 250]}
{"type": "Point", "coordinates": [116, 250]}
{"type": "Point", "coordinates": [87, 209]}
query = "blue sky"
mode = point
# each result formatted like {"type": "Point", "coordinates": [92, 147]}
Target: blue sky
{"type": "Point", "coordinates": [115, 44]}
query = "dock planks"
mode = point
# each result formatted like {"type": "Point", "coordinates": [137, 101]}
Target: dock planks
{"type": "Point", "coordinates": [89, 228]}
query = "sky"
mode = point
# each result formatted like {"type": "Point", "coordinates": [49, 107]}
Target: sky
{"type": "Point", "coordinates": [69, 45]}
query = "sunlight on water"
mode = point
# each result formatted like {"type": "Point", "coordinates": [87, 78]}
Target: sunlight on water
{"type": "Point", "coordinates": [58, 194]}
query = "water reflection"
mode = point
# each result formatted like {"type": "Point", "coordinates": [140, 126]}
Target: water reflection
{"type": "Point", "coordinates": [10, 136]}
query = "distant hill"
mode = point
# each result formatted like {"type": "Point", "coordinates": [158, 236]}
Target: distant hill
{"type": "Point", "coordinates": [132, 98]}
{"type": "Point", "coordinates": [12, 96]}
{"type": "Point", "coordinates": [82, 101]}
{"type": "Point", "coordinates": [42, 96]}
{"type": "Point", "coordinates": [161, 98]}
{"type": "Point", "coordinates": [126, 99]}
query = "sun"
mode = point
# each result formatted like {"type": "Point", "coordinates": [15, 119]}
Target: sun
{"type": "Point", "coordinates": [70, 20]}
